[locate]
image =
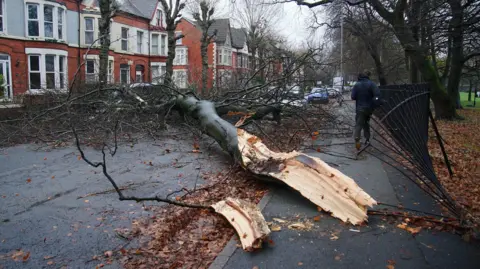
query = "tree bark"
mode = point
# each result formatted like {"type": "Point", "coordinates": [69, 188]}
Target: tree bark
{"type": "Point", "coordinates": [323, 185]}
{"type": "Point", "coordinates": [104, 30]}
{"type": "Point", "coordinates": [444, 105]}
{"type": "Point", "coordinates": [456, 34]}
{"type": "Point", "coordinates": [171, 54]}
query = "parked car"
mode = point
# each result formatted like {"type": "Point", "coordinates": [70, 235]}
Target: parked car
{"type": "Point", "coordinates": [294, 91]}
{"type": "Point", "coordinates": [333, 92]}
{"type": "Point", "coordinates": [317, 96]}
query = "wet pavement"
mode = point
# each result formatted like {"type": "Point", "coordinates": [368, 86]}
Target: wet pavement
{"type": "Point", "coordinates": [64, 212]}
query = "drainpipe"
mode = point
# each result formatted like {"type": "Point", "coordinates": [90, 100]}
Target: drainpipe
{"type": "Point", "coordinates": [79, 56]}
{"type": "Point", "coordinates": [149, 60]}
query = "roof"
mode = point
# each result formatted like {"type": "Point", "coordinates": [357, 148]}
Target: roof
{"type": "Point", "coordinates": [140, 8]}
{"type": "Point", "coordinates": [222, 26]}
{"type": "Point", "coordinates": [238, 37]}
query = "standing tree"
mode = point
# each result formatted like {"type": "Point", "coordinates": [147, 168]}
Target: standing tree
{"type": "Point", "coordinates": [172, 18]}
{"type": "Point", "coordinates": [257, 18]}
{"type": "Point", "coordinates": [107, 11]}
{"type": "Point", "coordinates": [205, 21]}
{"type": "Point", "coordinates": [395, 17]}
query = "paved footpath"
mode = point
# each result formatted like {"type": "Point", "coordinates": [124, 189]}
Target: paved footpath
{"type": "Point", "coordinates": [331, 244]}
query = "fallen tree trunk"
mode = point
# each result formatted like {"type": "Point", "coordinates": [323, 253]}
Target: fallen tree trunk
{"type": "Point", "coordinates": [246, 219]}
{"type": "Point", "coordinates": [323, 185]}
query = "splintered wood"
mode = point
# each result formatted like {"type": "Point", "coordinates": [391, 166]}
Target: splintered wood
{"type": "Point", "coordinates": [325, 186]}
{"type": "Point", "coordinates": [246, 219]}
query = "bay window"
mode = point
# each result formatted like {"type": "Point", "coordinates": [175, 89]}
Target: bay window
{"type": "Point", "coordinates": [124, 39]}
{"type": "Point", "coordinates": [47, 69]}
{"type": "Point", "coordinates": [155, 44]}
{"type": "Point", "coordinates": [45, 20]}
{"type": "Point", "coordinates": [180, 78]}
{"type": "Point", "coordinates": [181, 56]}
{"type": "Point", "coordinates": [224, 56]}
{"type": "Point", "coordinates": [89, 30]}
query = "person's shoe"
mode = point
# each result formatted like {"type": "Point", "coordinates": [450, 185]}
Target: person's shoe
{"type": "Point", "coordinates": [357, 145]}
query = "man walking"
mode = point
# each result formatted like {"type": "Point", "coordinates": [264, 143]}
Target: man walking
{"type": "Point", "coordinates": [366, 94]}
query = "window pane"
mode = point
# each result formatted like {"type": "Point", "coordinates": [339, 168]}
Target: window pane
{"type": "Point", "coordinates": [89, 24]}
{"type": "Point", "coordinates": [32, 11]}
{"type": "Point", "coordinates": [48, 13]}
{"type": "Point", "coordinates": [124, 32]}
{"type": "Point", "coordinates": [90, 66]}
{"type": "Point", "coordinates": [60, 15]}
{"type": "Point", "coordinates": [50, 63]}
{"type": "Point", "coordinates": [48, 29]}
{"type": "Point", "coordinates": [60, 31]}
{"type": "Point", "coordinates": [35, 81]}
{"type": "Point", "coordinates": [34, 63]}
{"type": "Point", "coordinates": [89, 38]}
{"type": "Point", "coordinates": [124, 45]}
{"type": "Point", "coordinates": [33, 28]}
{"type": "Point", "coordinates": [50, 80]}
{"type": "Point", "coordinates": [62, 81]}
{"type": "Point", "coordinates": [61, 64]}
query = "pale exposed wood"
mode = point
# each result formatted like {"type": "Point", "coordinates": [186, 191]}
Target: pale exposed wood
{"type": "Point", "coordinates": [246, 219]}
{"type": "Point", "coordinates": [325, 186]}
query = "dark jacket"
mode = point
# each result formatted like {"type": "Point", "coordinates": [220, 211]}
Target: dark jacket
{"type": "Point", "coordinates": [365, 93]}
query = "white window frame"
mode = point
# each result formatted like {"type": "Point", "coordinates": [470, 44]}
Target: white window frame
{"type": "Point", "coordinates": [124, 39]}
{"type": "Point", "coordinates": [42, 53]}
{"type": "Point", "coordinates": [56, 7]}
{"type": "Point", "coordinates": [178, 41]}
{"type": "Point", "coordinates": [93, 74]}
{"type": "Point", "coordinates": [3, 17]}
{"type": "Point", "coordinates": [128, 74]}
{"type": "Point", "coordinates": [140, 41]}
{"type": "Point", "coordinates": [85, 30]}
{"type": "Point", "coordinates": [163, 45]}
{"type": "Point", "coordinates": [61, 14]}
{"type": "Point", "coordinates": [158, 79]}
{"type": "Point", "coordinates": [155, 50]}
{"type": "Point", "coordinates": [111, 68]}
{"type": "Point", "coordinates": [224, 56]}
{"type": "Point", "coordinates": [181, 56]}
{"type": "Point", "coordinates": [175, 78]}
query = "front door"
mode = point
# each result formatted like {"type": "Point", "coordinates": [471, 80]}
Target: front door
{"type": "Point", "coordinates": [5, 79]}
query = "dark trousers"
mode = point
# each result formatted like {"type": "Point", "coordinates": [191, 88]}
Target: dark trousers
{"type": "Point", "coordinates": [362, 121]}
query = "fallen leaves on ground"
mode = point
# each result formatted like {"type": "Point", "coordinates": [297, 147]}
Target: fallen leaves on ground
{"type": "Point", "coordinates": [462, 143]}
{"type": "Point", "coordinates": [190, 238]}
{"type": "Point", "coordinates": [412, 230]}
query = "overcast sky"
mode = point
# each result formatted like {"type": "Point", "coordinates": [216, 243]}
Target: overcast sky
{"type": "Point", "coordinates": [293, 22]}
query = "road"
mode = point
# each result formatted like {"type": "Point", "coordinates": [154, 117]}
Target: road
{"type": "Point", "coordinates": [48, 205]}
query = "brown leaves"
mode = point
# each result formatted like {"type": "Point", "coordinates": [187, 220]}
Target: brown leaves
{"type": "Point", "coordinates": [316, 218]}
{"type": "Point", "coordinates": [29, 180]}
{"type": "Point", "coordinates": [412, 230]}
{"type": "Point", "coordinates": [462, 143]}
{"type": "Point", "coordinates": [26, 257]}
{"type": "Point", "coordinates": [391, 264]}
{"type": "Point", "coordinates": [19, 255]}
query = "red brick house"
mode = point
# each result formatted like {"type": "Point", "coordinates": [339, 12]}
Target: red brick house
{"type": "Point", "coordinates": [227, 54]}
{"type": "Point", "coordinates": [44, 44]}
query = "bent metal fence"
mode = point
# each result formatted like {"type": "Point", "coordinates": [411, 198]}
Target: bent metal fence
{"type": "Point", "coordinates": [400, 136]}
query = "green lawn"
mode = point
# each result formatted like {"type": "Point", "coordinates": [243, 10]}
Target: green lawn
{"type": "Point", "coordinates": [466, 103]}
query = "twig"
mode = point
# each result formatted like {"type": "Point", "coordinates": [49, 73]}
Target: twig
{"type": "Point", "coordinates": [121, 197]}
